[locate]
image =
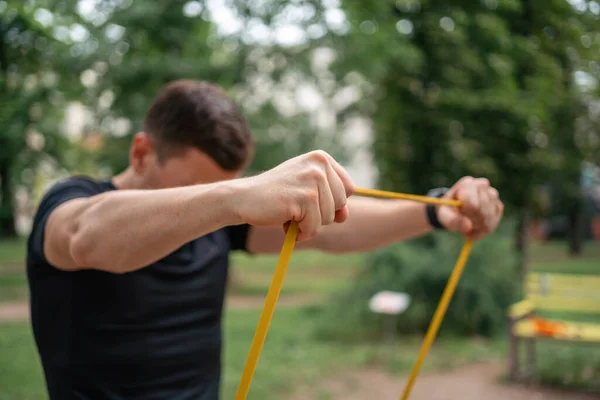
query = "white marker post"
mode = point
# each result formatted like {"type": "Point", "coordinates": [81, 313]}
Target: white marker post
{"type": "Point", "coordinates": [390, 304]}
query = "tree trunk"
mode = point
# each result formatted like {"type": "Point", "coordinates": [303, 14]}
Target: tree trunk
{"type": "Point", "coordinates": [522, 240]}
{"type": "Point", "coordinates": [576, 231]}
{"type": "Point", "coordinates": [7, 210]}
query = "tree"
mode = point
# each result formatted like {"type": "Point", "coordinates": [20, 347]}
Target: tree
{"type": "Point", "coordinates": [31, 93]}
{"type": "Point", "coordinates": [148, 45]}
{"type": "Point", "coordinates": [474, 88]}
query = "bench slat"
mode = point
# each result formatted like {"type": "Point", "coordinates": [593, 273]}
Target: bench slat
{"type": "Point", "coordinates": [521, 309]}
{"type": "Point", "coordinates": [559, 330]}
{"type": "Point", "coordinates": [562, 292]}
{"type": "Point", "coordinates": [557, 303]}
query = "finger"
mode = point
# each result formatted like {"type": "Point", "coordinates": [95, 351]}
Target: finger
{"type": "Point", "coordinates": [462, 182]}
{"type": "Point", "coordinates": [327, 204]}
{"type": "Point", "coordinates": [343, 175]}
{"type": "Point", "coordinates": [342, 215]}
{"type": "Point", "coordinates": [468, 195]}
{"type": "Point", "coordinates": [460, 223]}
{"type": "Point", "coordinates": [483, 182]}
{"type": "Point", "coordinates": [337, 188]}
{"type": "Point", "coordinates": [309, 225]}
{"type": "Point", "coordinates": [494, 209]}
{"type": "Point", "coordinates": [494, 194]}
{"type": "Point", "coordinates": [498, 205]}
{"type": "Point", "coordinates": [487, 205]}
{"type": "Point", "coordinates": [453, 220]}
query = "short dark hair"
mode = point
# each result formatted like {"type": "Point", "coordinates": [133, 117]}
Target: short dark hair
{"type": "Point", "coordinates": [198, 114]}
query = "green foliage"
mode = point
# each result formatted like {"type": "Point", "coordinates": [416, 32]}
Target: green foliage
{"type": "Point", "coordinates": [31, 94]}
{"type": "Point", "coordinates": [579, 365]}
{"type": "Point", "coordinates": [112, 57]}
{"type": "Point", "coordinates": [487, 287]}
{"type": "Point", "coordinates": [484, 88]}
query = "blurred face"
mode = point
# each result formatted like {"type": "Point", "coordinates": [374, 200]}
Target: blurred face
{"type": "Point", "coordinates": [190, 167]}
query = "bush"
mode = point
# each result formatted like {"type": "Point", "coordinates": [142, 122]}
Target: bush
{"type": "Point", "coordinates": [490, 283]}
{"type": "Point", "coordinates": [569, 365]}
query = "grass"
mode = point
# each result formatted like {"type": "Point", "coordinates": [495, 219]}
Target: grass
{"type": "Point", "coordinates": [20, 371]}
{"type": "Point", "coordinates": [316, 280]}
{"type": "Point", "coordinates": [13, 287]}
{"type": "Point", "coordinates": [301, 260]}
{"type": "Point", "coordinates": [291, 356]}
{"type": "Point", "coordinates": [12, 251]}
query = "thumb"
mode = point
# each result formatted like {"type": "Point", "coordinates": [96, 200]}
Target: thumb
{"type": "Point", "coordinates": [455, 221]}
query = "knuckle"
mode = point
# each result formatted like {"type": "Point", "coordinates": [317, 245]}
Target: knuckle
{"type": "Point", "coordinates": [484, 182]}
{"type": "Point", "coordinates": [310, 196]}
{"type": "Point", "coordinates": [319, 156]}
{"type": "Point", "coordinates": [295, 210]}
{"type": "Point", "coordinates": [316, 173]}
{"type": "Point", "coordinates": [466, 179]}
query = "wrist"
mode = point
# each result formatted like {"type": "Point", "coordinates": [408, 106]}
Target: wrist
{"type": "Point", "coordinates": [432, 211]}
{"type": "Point", "coordinates": [225, 197]}
{"type": "Point", "coordinates": [234, 196]}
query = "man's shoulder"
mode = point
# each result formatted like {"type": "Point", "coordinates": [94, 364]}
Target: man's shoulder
{"type": "Point", "coordinates": [70, 188]}
{"type": "Point", "coordinates": [81, 182]}
{"type": "Point", "coordinates": [75, 186]}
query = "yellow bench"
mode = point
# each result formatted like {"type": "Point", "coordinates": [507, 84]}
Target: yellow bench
{"type": "Point", "coordinates": [552, 292]}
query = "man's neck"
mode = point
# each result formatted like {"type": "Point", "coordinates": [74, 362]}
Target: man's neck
{"type": "Point", "coordinates": [128, 180]}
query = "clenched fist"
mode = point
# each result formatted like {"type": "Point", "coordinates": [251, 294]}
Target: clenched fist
{"type": "Point", "coordinates": [481, 209]}
{"type": "Point", "coordinates": [311, 189]}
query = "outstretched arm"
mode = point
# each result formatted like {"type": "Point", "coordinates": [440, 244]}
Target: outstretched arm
{"type": "Point", "coordinates": [124, 230]}
{"type": "Point", "coordinates": [374, 223]}
{"type": "Point", "coordinates": [371, 224]}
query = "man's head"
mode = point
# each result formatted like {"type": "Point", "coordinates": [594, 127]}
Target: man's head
{"type": "Point", "coordinates": [192, 133]}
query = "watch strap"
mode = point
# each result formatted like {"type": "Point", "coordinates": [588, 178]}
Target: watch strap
{"type": "Point", "coordinates": [431, 210]}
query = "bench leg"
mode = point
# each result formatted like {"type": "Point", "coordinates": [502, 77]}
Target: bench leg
{"type": "Point", "coordinates": [513, 355]}
{"type": "Point", "coordinates": [530, 358]}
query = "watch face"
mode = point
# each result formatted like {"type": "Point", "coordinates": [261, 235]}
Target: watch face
{"type": "Point", "coordinates": [437, 192]}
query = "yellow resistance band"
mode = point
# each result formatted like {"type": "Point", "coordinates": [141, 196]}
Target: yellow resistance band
{"type": "Point", "coordinates": [281, 269]}
{"type": "Point", "coordinates": [268, 309]}
{"type": "Point", "coordinates": [438, 316]}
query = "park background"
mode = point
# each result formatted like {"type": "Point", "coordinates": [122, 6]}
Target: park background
{"type": "Point", "coordinates": [408, 94]}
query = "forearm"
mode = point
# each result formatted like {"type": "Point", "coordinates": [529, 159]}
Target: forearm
{"type": "Point", "coordinates": [125, 230]}
{"type": "Point", "coordinates": [373, 224]}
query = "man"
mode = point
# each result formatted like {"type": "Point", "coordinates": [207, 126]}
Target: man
{"type": "Point", "coordinates": [127, 276]}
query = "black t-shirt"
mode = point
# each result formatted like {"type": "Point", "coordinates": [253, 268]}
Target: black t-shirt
{"type": "Point", "coordinates": [154, 333]}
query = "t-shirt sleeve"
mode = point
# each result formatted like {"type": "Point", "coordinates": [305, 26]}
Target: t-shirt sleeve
{"type": "Point", "coordinates": [60, 193]}
{"type": "Point", "coordinates": [238, 237]}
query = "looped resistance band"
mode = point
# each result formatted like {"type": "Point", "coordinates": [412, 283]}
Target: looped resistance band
{"type": "Point", "coordinates": [281, 269]}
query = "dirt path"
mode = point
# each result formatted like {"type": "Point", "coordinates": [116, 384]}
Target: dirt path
{"type": "Point", "coordinates": [474, 382]}
{"type": "Point", "coordinates": [14, 312]}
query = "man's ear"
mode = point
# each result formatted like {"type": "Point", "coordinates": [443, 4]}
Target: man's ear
{"type": "Point", "coordinates": [141, 151]}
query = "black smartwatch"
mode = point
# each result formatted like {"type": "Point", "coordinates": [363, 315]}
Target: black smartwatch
{"type": "Point", "coordinates": [431, 210]}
